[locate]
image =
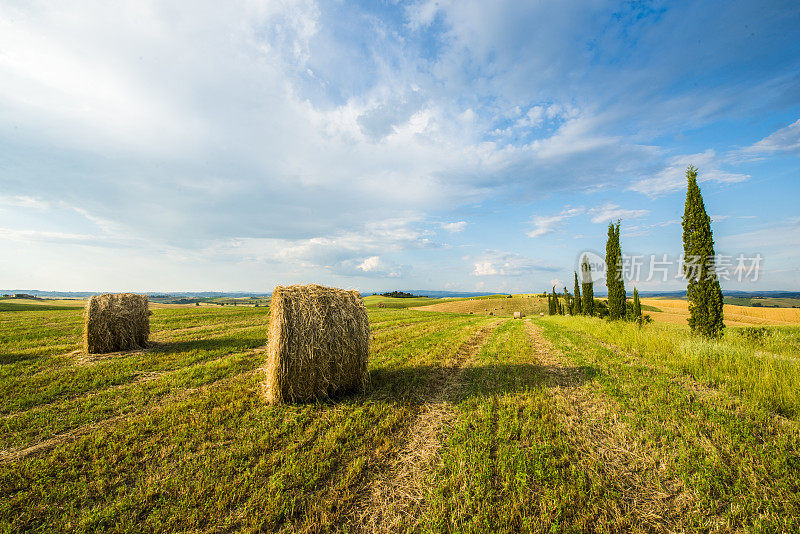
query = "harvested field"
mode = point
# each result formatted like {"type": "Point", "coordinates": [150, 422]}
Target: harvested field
{"type": "Point", "coordinates": [677, 310]}
{"type": "Point", "coordinates": [469, 423]}
{"type": "Point", "coordinates": [501, 307]}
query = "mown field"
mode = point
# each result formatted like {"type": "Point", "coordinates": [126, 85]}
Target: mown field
{"type": "Point", "coordinates": [497, 306]}
{"type": "Point", "coordinates": [470, 424]}
{"type": "Point", "coordinates": [677, 311]}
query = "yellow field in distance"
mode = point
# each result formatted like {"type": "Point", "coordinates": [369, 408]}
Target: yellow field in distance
{"type": "Point", "coordinates": [677, 310]}
{"type": "Point", "coordinates": [502, 307]}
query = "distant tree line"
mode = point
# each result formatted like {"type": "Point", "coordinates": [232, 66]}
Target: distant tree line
{"type": "Point", "coordinates": [400, 295]}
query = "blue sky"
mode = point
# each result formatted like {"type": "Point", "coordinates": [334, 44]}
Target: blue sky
{"type": "Point", "coordinates": [463, 145]}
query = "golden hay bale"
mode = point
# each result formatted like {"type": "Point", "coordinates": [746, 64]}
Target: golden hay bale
{"type": "Point", "coordinates": [115, 322]}
{"type": "Point", "coordinates": [518, 315]}
{"type": "Point", "coordinates": [318, 343]}
{"type": "Point", "coordinates": [381, 305]}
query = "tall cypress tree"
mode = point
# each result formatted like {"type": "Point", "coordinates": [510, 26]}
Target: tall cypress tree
{"type": "Point", "coordinates": [703, 289]}
{"type": "Point", "coordinates": [567, 301]}
{"type": "Point", "coordinates": [637, 306]}
{"type": "Point", "coordinates": [588, 287]}
{"type": "Point", "coordinates": [577, 308]}
{"type": "Point", "coordinates": [614, 282]}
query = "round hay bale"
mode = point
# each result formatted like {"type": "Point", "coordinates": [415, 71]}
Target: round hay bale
{"type": "Point", "coordinates": [381, 305]}
{"type": "Point", "coordinates": [318, 344]}
{"type": "Point", "coordinates": [114, 322]}
{"type": "Point", "coordinates": [518, 315]}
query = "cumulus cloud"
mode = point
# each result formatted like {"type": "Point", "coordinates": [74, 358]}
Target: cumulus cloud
{"type": "Point", "coordinates": [497, 263]}
{"type": "Point", "coordinates": [356, 252]}
{"type": "Point", "coordinates": [454, 227]}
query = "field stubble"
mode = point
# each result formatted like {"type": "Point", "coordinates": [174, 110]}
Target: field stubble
{"type": "Point", "coordinates": [470, 423]}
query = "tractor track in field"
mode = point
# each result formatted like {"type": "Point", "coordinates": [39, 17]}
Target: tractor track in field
{"type": "Point", "coordinates": [391, 500]}
{"type": "Point", "coordinates": [608, 448]}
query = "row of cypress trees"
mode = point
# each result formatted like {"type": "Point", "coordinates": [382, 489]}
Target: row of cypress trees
{"type": "Point", "coordinates": [703, 289]}
{"type": "Point", "coordinates": [576, 303]}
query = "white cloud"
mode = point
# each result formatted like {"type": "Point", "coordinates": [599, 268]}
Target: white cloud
{"type": "Point", "coordinates": [784, 140]}
{"type": "Point", "coordinates": [673, 176]}
{"type": "Point", "coordinates": [546, 224]}
{"type": "Point", "coordinates": [497, 263]}
{"type": "Point", "coordinates": [454, 227]}
{"type": "Point", "coordinates": [557, 283]}
{"type": "Point", "coordinates": [370, 264]}
{"type": "Point", "coordinates": [485, 268]}
{"type": "Point", "coordinates": [22, 201]}
{"type": "Point", "coordinates": [611, 212]}
{"type": "Point", "coordinates": [645, 229]}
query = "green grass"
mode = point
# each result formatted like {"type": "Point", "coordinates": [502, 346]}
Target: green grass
{"type": "Point", "coordinates": [612, 429]}
{"type": "Point", "coordinates": [763, 372]}
{"type": "Point", "coordinates": [734, 453]}
{"type": "Point", "coordinates": [767, 302]}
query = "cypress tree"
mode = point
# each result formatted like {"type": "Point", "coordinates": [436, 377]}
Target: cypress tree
{"type": "Point", "coordinates": [703, 289]}
{"type": "Point", "coordinates": [588, 287]}
{"type": "Point", "coordinates": [567, 301]}
{"type": "Point", "coordinates": [614, 282]}
{"type": "Point", "coordinates": [577, 309]}
{"type": "Point", "coordinates": [637, 306]}
{"type": "Point", "coordinates": [557, 303]}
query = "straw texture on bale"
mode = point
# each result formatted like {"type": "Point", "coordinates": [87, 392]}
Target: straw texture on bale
{"type": "Point", "coordinates": [518, 315]}
{"type": "Point", "coordinates": [318, 344]}
{"type": "Point", "coordinates": [114, 322]}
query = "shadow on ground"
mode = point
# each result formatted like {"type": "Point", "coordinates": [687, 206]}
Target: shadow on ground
{"type": "Point", "coordinates": [417, 384]}
{"type": "Point", "coordinates": [226, 344]}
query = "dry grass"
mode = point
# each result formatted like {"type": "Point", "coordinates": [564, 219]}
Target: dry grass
{"type": "Point", "coordinates": [318, 343]}
{"type": "Point", "coordinates": [115, 322]}
{"type": "Point", "coordinates": [677, 310]}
